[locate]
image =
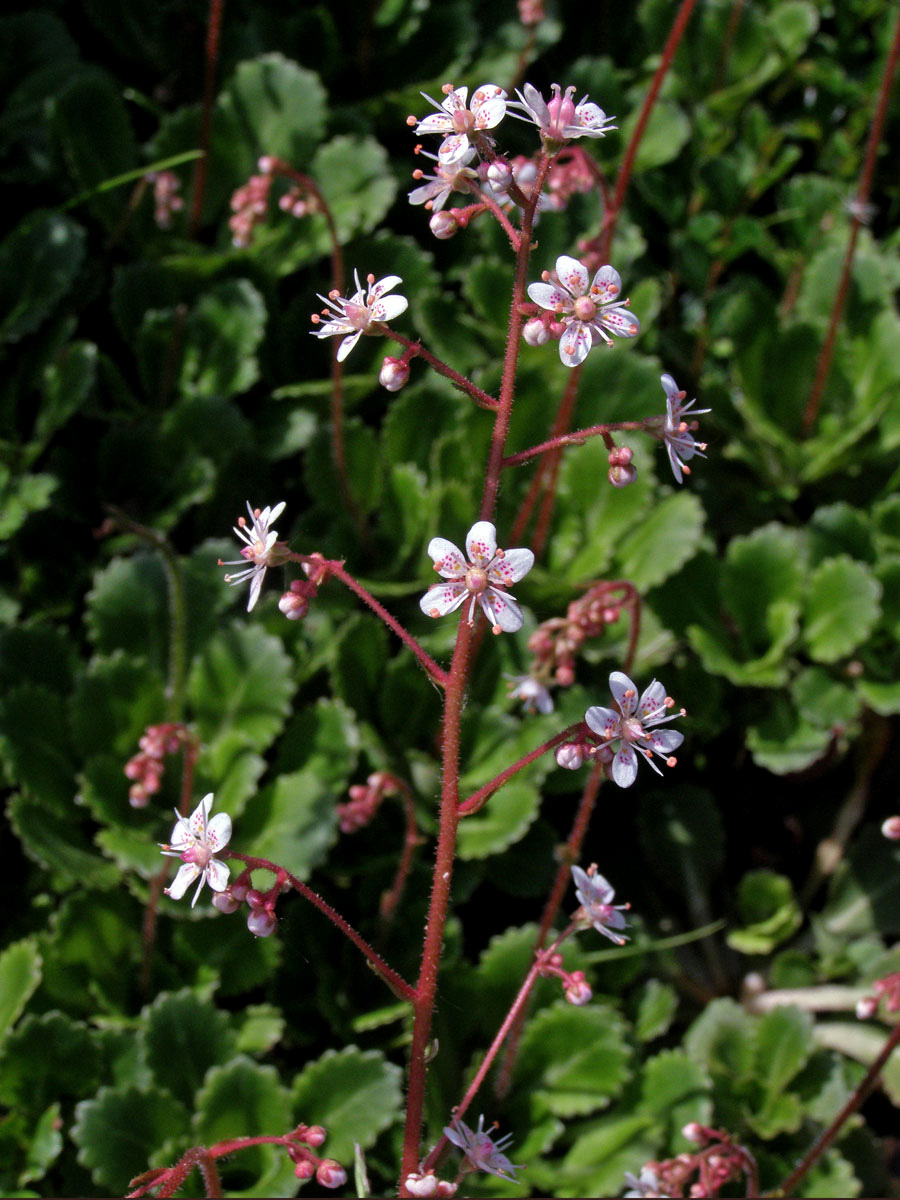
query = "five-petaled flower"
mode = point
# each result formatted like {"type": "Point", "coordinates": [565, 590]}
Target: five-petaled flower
{"type": "Point", "coordinates": [195, 840]}
{"type": "Point", "coordinates": [632, 724]}
{"type": "Point", "coordinates": [560, 119]}
{"type": "Point", "coordinates": [532, 692]}
{"type": "Point", "coordinates": [596, 898]}
{"type": "Point", "coordinates": [677, 431]}
{"type": "Point", "coordinates": [262, 549]}
{"type": "Point", "coordinates": [484, 578]}
{"type": "Point", "coordinates": [481, 1152]}
{"type": "Point", "coordinates": [364, 312]}
{"type": "Point", "coordinates": [454, 177]}
{"type": "Point", "coordinates": [459, 123]}
{"type": "Point", "coordinates": [588, 313]}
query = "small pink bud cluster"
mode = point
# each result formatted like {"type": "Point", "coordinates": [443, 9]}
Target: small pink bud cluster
{"type": "Point", "coordinates": [556, 642]}
{"type": "Point", "coordinates": [886, 989]}
{"type": "Point", "coordinates": [328, 1172]}
{"type": "Point", "coordinates": [261, 920]}
{"type": "Point", "coordinates": [147, 768]}
{"type": "Point", "coordinates": [531, 12]}
{"type": "Point", "coordinates": [426, 1183]}
{"type": "Point", "coordinates": [166, 200]}
{"type": "Point", "coordinates": [891, 829]}
{"type": "Point", "coordinates": [365, 800]}
{"type": "Point", "coordinates": [621, 471]}
{"type": "Point", "coordinates": [718, 1161]}
{"type": "Point", "coordinates": [249, 204]}
{"type": "Point", "coordinates": [576, 988]}
{"type": "Point", "coordinates": [294, 603]}
{"type": "Point", "coordinates": [569, 175]}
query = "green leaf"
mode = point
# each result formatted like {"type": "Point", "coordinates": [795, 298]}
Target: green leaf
{"type": "Point", "coordinates": [67, 1052]}
{"type": "Point", "coordinates": [884, 698]}
{"type": "Point", "coordinates": [22, 496]}
{"type": "Point", "coordinates": [113, 703]}
{"type": "Point", "coordinates": [720, 1040]}
{"type": "Point", "coordinates": [762, 569]}
{"type": "Point", "coordinates": [665, 135]}
{"type": "Point", "coordinates": [573, 1061]}
{"type": "Point", "coordinates": [221, 337]}
{"type": "Point", "coordinates": [600, 1156]}
{"type": "Point", "coordinates": [784, 1042]}
{"type": "Point", "coordinates": [355, 1094]}
{"type": "Point", "coordinates": [92, 958]}
{"type": "Point", "coordinates": [34, 745]}
{"type": "Point", "coordinates": [241, 686]}
{"type": "Point", "coordinates": [39, 263]}
{"type": "Point", "coordinates": [656, 1010]}
{"type": "Point", "coordinates": [504, 820]}
{"type": "Point", "coordinates": [44, 1147]}
{"type": "Point", "coordinates": [792, 24]}
{"type": "Point", "coordinates": [243, 1099]}
{"type": "Point", "coordinates": [67, 383]}
{"type": "Point", "coordinates": [663, 542]}
{"type": "Point", "coordinates": [841, 608]}
{"type": "Point", "coordinates": [864, 894]}
{"type": "Point", "coordinates": [768, 907]}
{"type": "Point", "coordinates": [20, 973]}
{"type": "Point", "coordinates": [261, 1026]}
{"type": "Point", "coordinates": [127, 609]}
{"type": "Point", "coordinates": [831, 1176]}
{"type": "Point", "coordinates": [675, 1090]}
{"type": "Point", "coordinates": [784, 741]}
{"type": "Point", "coordinates": [118, 1131]}
{"type": "Point", "coordinates": [184, 1036]}
{"type": "Point", "coordinates": [94, 130]}
{"type": "Point", "coordinates": [863, 1043]}
{"type": "Point", "coordinates": [356, 181]}
{"type": "Point", "coordinates": [293, 823]}
{"type": "Point", "coordinates": [360, 658]}
{"type": "Point", "coordinates": [62, 847]}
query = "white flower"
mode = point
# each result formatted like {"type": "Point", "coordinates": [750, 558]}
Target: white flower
{"type": "Point", "coordinates": [586, 312]}
{"type": "Point", "coordinates": [596, 898]}
{"type": "Point", "coordinates": [481, 1151]}
{"type": "Point", "coordinates": [195, 840]}
{"type": "Point", "coordinates": [561, 119]}
{"type": "Point", "coordinates": [446, 179]}
{"type": "Point", "coordinates": [261, 549]}
{"type": "Point", "coordinates": [647, 1185]}
{"type": "Point", "coordinates": [677, 431]}
{"type": "Point", "coordinates": [364, 312]}
{"type": "Point", "coordinates": [457, 122]}
{"type": "Point", "coordinates": [484, 578]}
{"type": "Point", "coordinates": [632, 723]}
{"type": "Point", "coordinates": [531, 692]}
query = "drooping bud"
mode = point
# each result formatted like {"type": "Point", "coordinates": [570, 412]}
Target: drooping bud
{"type": "Point", "coordinates": [225, 902]}
{"type": "Point", "coordinates": [331, 1174]}
{"type": "Point", "coordinates": [891, 828]}
{"type": "Point", "coordinates": [536, 332]}
{"type": "Point", "coordinates": [443, 225]}
{"type": "Point", "coordinates": [261, 923]}
{"type": "Point", "coordinates": [621, 476]}
{"type": "Point", "coordinates": [394, 373]}
{"type": "Point", "coordinates": [570, 756]}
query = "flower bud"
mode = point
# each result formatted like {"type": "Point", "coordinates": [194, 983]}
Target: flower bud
{"type": "Point", "coordinates": [693, 1132]}
{"type": "Point", "coordinates": [891, 828]}
{"type": "Point", "coordinates": [293, 606]}
{"type": "Point", "coordinates": [393, 374]}
{"type": "Point", "coordinates": [577, 989]}
{"type": "Point", "coordinates": [866, 1007]}
{"type": "Point", "coordinates": [225, 902]}
{"type": "Point", "coordinates": [500, 176]}
{"type": "Point", "coordinates": [261, 923]}
{"type": "Point", "coordinates": [536, 332]}
{"type": "Point", "coordinates": [570, 756]}
{"type": "Point", "coordinates": [422, 1185]}
{"type": "Point", "coordinates": [443, 225]}
{"type": "Point", "coordinates": [315, 1136]}
{"type": "Point", "coordinates": [621, 476]}
{"type": "Point", "coordinates": [305, 1169]}
{"type": "Point", "coordinates": [446, 1187]}
{"type": "Point", "coordinates": [331, 1174]}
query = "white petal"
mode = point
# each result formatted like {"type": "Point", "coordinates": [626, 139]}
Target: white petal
{"type": "Point", "coordinates": [256, 587]}
{"type": "Point", "coordinates": [217, 874]}
{"type": "Point", "coordinates": [389, 307]}
{"type": "Point", "coordinates": [456, 100]}
{"type": "Point", "coordinates": [200, 815]}
{"type": "Point", "coordinates": [652, 701]}
{"type": "Point", "coordinates": [481, 543]}
{"type": "Point", "coordinates": [330, 328]}
{"type": "Point", "coordinates": [435, 123]}
{"type": "Point", "coordinates": [500, 609]}
{"type": "Point", "coordinates": [548, 295]}
{"type": "Point", "coordinates": [347, 345]}
{"type": "Point", "coordinates": [624, 692]}
{"type": "Point", "coordinates": [591, 119]}
{"type": "Point", "coordinates": [383, 285]}
{"type": "Point", "coordinates": [606, 285]}
{"type": "Point", "coordinates": [572, 274]}
{"type": "Point", "coordinates": [535, 103]}
{"type": "Point", "coordinates": [581, 880]}
{"type": "Point", "coordinates": [187, 873]}
{"type": "Point", "coordinates": [624, 766]}
{"type": "Point", "coordinates": [601, 890]}
{"type": "Point", "coordinates": [453, 148]}
{"type": "Point", "coordinates": [664, 741]}
{"type": "Point", "coordinates": [511, 567]}
{"type": "Point", "coordinates": [443, 598]}
{"type": "Point", "coordinates": [620, 321]}
{"type": "Point", "coordinates": [448, 559]}
{"type": "Point", "coordinates": [218, 832]}
{"type": "Point", "coordinates": [575, 344]}
{"type": "Point", "coordinates": [489, 114]}
{"type": "Point", "coordinates": [604, 722]}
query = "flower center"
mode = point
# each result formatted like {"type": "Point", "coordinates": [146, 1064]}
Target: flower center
{"type": "Point", "coordinates": [463, 120]}
{"type": "Point", "coordinates": [632, 729]}
{"type": "Point", "coordinates": [476, 580]}
{"type": "Point", "coordinates": [585, 309]}
{"type": "Point", "coordinates": [357, 315]}
{"type": "Point", "coordinates": [199, 854]}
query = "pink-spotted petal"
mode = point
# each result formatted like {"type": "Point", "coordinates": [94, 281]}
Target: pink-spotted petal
{"type": "Point", "coordinates": [572, 274]}
{"type": "Point", "coordinates": [575, 344]}
{"type": "Point", "coordinates": [621, 322]}
{"type": "Point", "coordinates": [200, 815]}
{"type": "Point", "coordinates": [443, 598]}
{"type": "Point", "coordinates": [501, 610]}
{"type": "Point", "coordinates": [652, 701]}
{"type": "Point", "coordinates": [218, 832]}
{"type": "Point", "coordinates": [452, 149]}
{"type": "Point", "coordinates": [548, 295]}
{"type": "Point", "coordinates": [448, 559]}
{"type": "Point", "coordinates": [604, 722]}
{"type": "Point", "coordinates": [624, 766]}
{"type": "Point", "coordinates": [481, 543]}
{"type": "Point", "coordinates": [217, 874]}
{"type": "Point", "coordinates": [436, 123]}
{"type": "Point", "coordinates": [664, 741]}
{"type": "Point", "coordinates": [589, 116]}
{"type": "Point", "coordinates": [489, 114]}
{"type": "Point", "coordinates": [512, 567]}
{"type": "Point", "coordinates": [347, 344]}
{"type": "Point", "coordinates": [606, 285]}
{"type": "Point", "coordinates": [624, 692]}
{"type": "Point", "coordinates": [187, 873]}
{"type": "Point", "coordinates": [456, 100]}
{"type": "Point", "coordinates": [389, 307]}
{"type": "Point", "coordinates": [384, 285]}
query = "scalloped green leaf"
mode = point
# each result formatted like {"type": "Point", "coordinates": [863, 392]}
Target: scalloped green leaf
{"type": "Point", "coordinates": [67, 1051]}
{"type": "Point", "coordinates": [293, 823]}
{"type": "Point", "coordinates": [61, 846]}
{"type": "Point", "coordinates": [221, 336]}
{"type": "Point", "coordinates": [842, 607]}
{"type": "Point", "coordinates": [184, 1035]}
{"type": "Point", "coordinates": [721, 1039]}
{"type": "Point", "coordinates": [675, 1090]}
{"type": "Point", "coordinates": [656, 1010]}
{"type": "Point", "coordinates": [504, 820]}
{"type": "Point", "coordinates": [39, 263]}
{"type": "Point", "coordinates": [783, 1042]}
{"type": "Point", "coordinates": [784, 741]}
{"type": "Point", "coordinates": [261, 1026]}
{"type": "Point", "coordinates": [762, 570]}
{"type": "Point", "coordinates": [573, 1061]}
{"type": "Point", "coordinates": [118, 1131]}
{"type": "Point", "coordinates": [34, 745]}
{"type": "Point", "coordinates": [602, 1153]}
{"type": "Point", "coordinates": [663, 541]}
{"type": "Point", "coordinates": [20, 974]}
{"type": "Point", "coordinates": [91, 957]}
{"type": "Point", "coordinates": [241, 685]}
{"type": "Point", "coordinates": [127, 608]}
{"type": "Point", "coordinates": [113, 703]}
{"type": "Point", "coordinates": [244, 1099]}
{"type": "Point", "coordinates": [21, 496]}
{"type": "Point", "coordinates": [67, 383]}
{"type": "Point", "coordinates": [356, 1094]}
{"type": "Point", "coordinates": [44, 1146]}
{"type": "Point", "coordinates": [356, 181]}
{"type": "Point", "coordinates": [769, 908]}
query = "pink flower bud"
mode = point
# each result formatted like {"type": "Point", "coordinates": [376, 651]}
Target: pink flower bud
{"type": "Point", "coordinates": [866, 1007]}
{"type": "Point", "coordinates": [621, 476]}
{"type": "Point", "coordinates": [446, 1188]}
{"type": "Point", "coordinates": [569, 757]}
{"type": "Point", "coordinates": [305, 1169]}
{"type": "Point", "coordinates": [293, 606]}
{"type": "Point", "coordinates": [422, 1185]}
{"type": "Point", "coordinates": [393, 374]}
{"type": "Point", "coordinates": [891, 828]}
{"type": "Point", "coordinates": [536, 332]}
{"type": "Point", "coordinates": [331, 1174]}
{"type": "Point", "coordinates": [225, 902]}
{"type": "Point", "coordinates": [693, 1132]}
{"type": "Point", "coordinates": [443, 225]}
{"type": "Point", "coordinates": [315, 1135]}
{"type": "Point", "coordinates": [577, 989]}
{"type": "Point", "coordinates": [261, 923]}
{"type": "Point", "coordinates": [255, 898]}
{"type": "Point", "coordinates": [500, 175]}
{"type": "Point", "coordinates": [239, 889]}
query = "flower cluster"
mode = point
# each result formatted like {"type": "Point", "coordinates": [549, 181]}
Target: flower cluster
{"type": "Point", "coordinates": [262, 549]}
{"type": "Point", "coordinates": [557, 641]}
{"type": "Point", "coordinates": [480, 1151]}
{"type": "Point", "coordinates": [195, 840]}
{"type": "Point", "coordinates": [166, 201]}
{"type": "Point", "coordinates": [146, 769]}
{"type": "Point", "coordinates": [249, 204]}
{"type": "Point", "coordinates": [576, 988]}
{"type": "Point", "coordinates": [366, 311]}
{"type": "Point", "coordinates": [483, 579]}
{"type": "Point", "coordinates": [365, 800]}
{"type": "Point", "coordinates": [585, 313]}
{"type": "Point", "coordinates": [718, 1161]}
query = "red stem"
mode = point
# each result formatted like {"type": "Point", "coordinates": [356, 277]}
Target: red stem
{"type": "Point", "coordinates": [213, 33]}
{"type": "Point", "coordinates": [576, 438]}
{"type": "Point", "coordinates": [478, 799]}
{"type": "Point", "coordinates": [417, 350]}
{"type": "Point", "coordinates": [411, 839]}
{"type": "Point", "coordinates": [823, 367]}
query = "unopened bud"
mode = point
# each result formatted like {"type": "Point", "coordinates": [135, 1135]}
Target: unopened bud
{"type": "Point", "coordinates": [261, 923]}
{"type": "Point", "coordinates": [446, 1187]}
{"type": "Point", "coordinates": [536, 332]}
{"type": "Point", "coordinates": [569, 757]}
{"type": "Point", "coordinates": [305, 1169]}
{"type": "Point", "coordinates": [443, 225]}
{"type": "Point", "coordinates": [331, 1174]}
{"type": "Point", "coordinates": [621, 476]}
{"type": "Point", "coordinates": [500, 175]}
{"type": "Point", "coordinates": [225, 902]}
{"type": "Point", "coordinates": [293, 606]}
{"type": "Point", "coordinates": [866, 1007]}
{"type": "Point", "coordinates": [891, 828]}
{"type": "Point", "coordinates": [393, 374]}
{"type": "Point", "coordinates": [693, 1132]}
{"type": "Point", "coordinates": [315, 1135]}
{"type": "Point", "coordinates": [422, 1185]}
{"type": "Point", "coordinates": [577, 989]}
